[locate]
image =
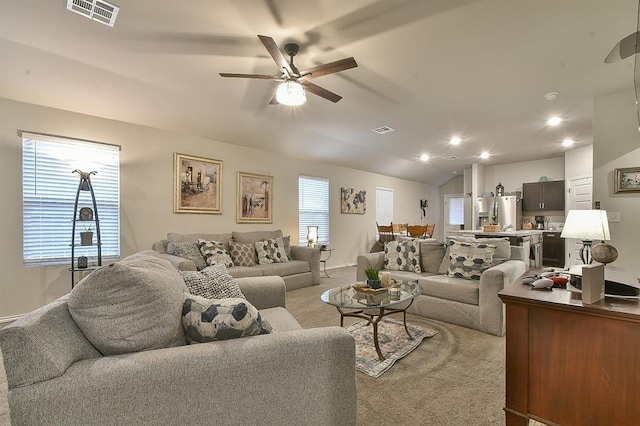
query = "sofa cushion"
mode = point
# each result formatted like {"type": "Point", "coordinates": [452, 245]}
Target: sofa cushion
{"type": "Point", "coordinates": [431, 254]}
{"type": "Point", "coordinates": [271, 251]}
{"type": "Point", "coordinates": [402, 256]}
{"type": "Point", "coordinates": [173, 237]}
{"type": "Point", "coordinates": [469, 260]}
{"type": "Point", "coordinates": [131, 305]}
{"type": "Point", "coordinates": [190, 250]}
{"type": "Point", "coordinates": [207, 320]}
{"type": "Point", "coordinates": [284, 269]}
{"type": "Point", "coordinates": [243, 254]}
{"type": "Point", "coordinates": [449, 288]}
{"type": "Point", "coordinates": [503, 246]}
{"type": "Point", "coordinates": [254, 236]}
{"type": "Point", "coordinates": [214, 252]}
{"type": "Point", "coordinates": [287, 245]}
{"type": "Point", "coordinates": [244, 271]}
{"type": "Point", "coordinates": [213, 282]}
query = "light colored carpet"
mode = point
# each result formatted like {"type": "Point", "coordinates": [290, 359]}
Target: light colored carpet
{"type": "Point", "coordinates": [457, 379]}
{"type": "Point", "coordinates": [453, 378]}
{"type": "Point", "coordinates": [392, 339]}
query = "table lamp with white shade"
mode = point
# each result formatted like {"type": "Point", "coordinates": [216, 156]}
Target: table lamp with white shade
{"type": "Point", "coordinates": [590, 226]}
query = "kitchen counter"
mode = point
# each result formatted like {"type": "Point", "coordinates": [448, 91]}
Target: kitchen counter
{"type": "Point", "coordinates": [509, 233]}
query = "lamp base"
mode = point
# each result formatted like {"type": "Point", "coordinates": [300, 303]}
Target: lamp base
{"type": "Point", "coordinates": [585, 252]}
{"type": "Point", "coordinates": [604, 253]}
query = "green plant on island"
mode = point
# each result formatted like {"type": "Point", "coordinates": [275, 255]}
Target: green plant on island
{"type": "Point", "coordinates": [371, 273]}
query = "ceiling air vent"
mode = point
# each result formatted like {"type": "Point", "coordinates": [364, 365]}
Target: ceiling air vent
{"type": "Point", "coordinates": [383, 129]}
{"type": "Point", "coordinates": [98, 10]}
{"type": "Point", "coordinates": [450, 158]}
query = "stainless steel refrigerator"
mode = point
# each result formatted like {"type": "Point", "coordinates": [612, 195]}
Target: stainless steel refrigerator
{"type": "Point", "coordinates": [507, 208]}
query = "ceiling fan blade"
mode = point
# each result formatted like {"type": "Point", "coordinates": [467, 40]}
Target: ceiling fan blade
{"type": "Point", "coordinates": [623, 49]}
{"type": "Point", "coordinates": [274, 101]}
{"type": "Point", "coordinates": [260, 76]}
{"type": "Point", "coordinates": [275, 53]}
{"type": "Point", "coordinates": [330, 68]}
{"type": "Point", "coordinates": [320, 91]}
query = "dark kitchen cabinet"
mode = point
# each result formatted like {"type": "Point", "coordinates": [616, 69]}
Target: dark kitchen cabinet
{"type": "Point", "coordinates": [552, 249]}
{"type": "Point", "coordinates": [543, 196]}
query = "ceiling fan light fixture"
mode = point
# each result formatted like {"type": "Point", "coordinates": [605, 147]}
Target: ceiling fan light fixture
{"type": "Point", "coordinates": [291, 93]}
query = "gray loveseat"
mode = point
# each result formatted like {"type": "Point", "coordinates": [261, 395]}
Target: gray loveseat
{"type": "Point", "coordinates": [302, 270]}
{"type": "Point", "coordinates": [292, 376]}
{"type": "Point", "coordinates": [469, 303]}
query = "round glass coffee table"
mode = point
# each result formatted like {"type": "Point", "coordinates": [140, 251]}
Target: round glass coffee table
{"type": "Point", "coordinates": [371, 305]}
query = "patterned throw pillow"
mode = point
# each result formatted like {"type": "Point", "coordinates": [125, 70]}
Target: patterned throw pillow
{"type": "Point", "coordinates": [190, 250]}
{"type": "Point", "coordinates": [469, 260]}
{"type": "Point", "coordinates": [213, 282]}
{"type": "Point", "coordinates": [271, 251]}
{"type": "Point", "coordinates": [206, 320]}
{"type": "Point", "coordinates": [214, 252]}
{"type": "Point", "coordinates": [402, 256]}
{"type": "Point", "coordinates": [243, 254]}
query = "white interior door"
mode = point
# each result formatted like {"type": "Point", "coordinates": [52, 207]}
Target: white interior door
{"type": "Point", "coordinates": [579, 198]}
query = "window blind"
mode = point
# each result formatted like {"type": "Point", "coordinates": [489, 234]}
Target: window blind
{"type": "Point", "coordinates": [384, 206]}
{"type": "Point", "coordinates": [313, 207]}
{"type": "Point", "coordinates": [48, 195]}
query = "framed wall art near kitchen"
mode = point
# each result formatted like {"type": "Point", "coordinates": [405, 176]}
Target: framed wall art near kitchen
{"type": "Point", "coordinates": [353, 201]}
{"type": "Point", "coordinates": [254, 198]}
{"type": "Point", "coordinates": [197, 184]}
{"type": "Point", "coordinates": [627, 180]}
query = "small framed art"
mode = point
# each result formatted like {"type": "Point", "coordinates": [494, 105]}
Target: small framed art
{"type": "Point", "coordinates": [254, 198]}
{"type": "Point", "coordinates": [627, 180]}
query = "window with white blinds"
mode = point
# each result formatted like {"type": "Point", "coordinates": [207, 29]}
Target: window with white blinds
{"type": "Point", "coordinates": [313, 207]}
{"type": "Point", "coordinates": [49, 191]}
{"type": "Point", "coordinates": [384, 206]}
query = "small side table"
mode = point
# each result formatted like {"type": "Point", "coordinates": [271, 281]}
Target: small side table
{"type": "Point", "coordinates": [324, 261]}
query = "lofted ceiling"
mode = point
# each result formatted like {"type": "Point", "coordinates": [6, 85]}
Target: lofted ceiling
{"type": "Point", "coordinates": [430, 69]}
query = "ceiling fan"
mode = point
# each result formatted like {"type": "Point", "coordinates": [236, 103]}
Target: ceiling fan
{"type": "Point", "coordinates": [291, 91]}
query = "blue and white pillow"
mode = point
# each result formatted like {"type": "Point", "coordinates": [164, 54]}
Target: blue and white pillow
{"type": "Point", "coordinates": [469, 260]}
{"type": "Point", "coordinates": [402, 256]}
{"type": "Point", "coordinates": [208, 320]}
{"type": "Point", "coordinates": [271, 251]}
{"type": "Point", "coordinates": [214, 252]}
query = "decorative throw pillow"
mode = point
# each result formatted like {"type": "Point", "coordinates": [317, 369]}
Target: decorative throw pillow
{"type": "Point", "coordinates": [190, 250]}
{"type": "Point", "coordinates": [214, 252]}
{"type": "Point", "coordinates": [402, 256]}
{"type": "Point", "coordinates": [131, 305]}
{"type": "Point", "coordinates": [243, 254]}
{"type": "Point", "coordinates": [431, 254]}
{"type": "Point", "coordinates": [469, 260]}
{"type": "Point", "coordinates": [503, 246]}
{"type": "Point", "coordinates": [271, 251]}
{"type": "Point", "coordinates": [287, 245]}
{"type": "Point", "coordinates": [213, 282]}
{"type": "Point", "coordinates": [206, 320]}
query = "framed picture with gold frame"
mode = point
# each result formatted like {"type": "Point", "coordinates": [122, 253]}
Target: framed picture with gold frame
{"type": "Point", "coordinates": [254, 198]}
{"type": "Point", "coordinates": [197, 184]}
{"type": "Point", "coordinates": [627, 180]}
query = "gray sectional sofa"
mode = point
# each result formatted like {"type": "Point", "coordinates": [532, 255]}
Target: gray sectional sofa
{"type": "Point", "coordinates": [302, 269]}
{"type": "Point", "coordinates": [292, 376]}
{"type": "Point", "coordinates": [469, 303]}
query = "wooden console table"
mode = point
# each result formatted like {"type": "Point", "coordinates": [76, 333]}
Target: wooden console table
{"type": "Point", "coordinates": [569, 363]}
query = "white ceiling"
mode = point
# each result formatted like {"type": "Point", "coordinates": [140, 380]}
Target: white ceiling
{"type": "Point", "coordinates": [428, 68]}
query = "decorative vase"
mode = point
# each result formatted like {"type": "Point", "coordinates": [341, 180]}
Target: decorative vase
{"type": "Point", "coordinates": [375, 284]}
{"type": "Point", "coordinates": [86, 238]}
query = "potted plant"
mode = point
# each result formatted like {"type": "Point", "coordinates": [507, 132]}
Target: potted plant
{"type": "Point", "coordinates": [86, 237]}
{"type": "Point", "coordinates": [373, 279]}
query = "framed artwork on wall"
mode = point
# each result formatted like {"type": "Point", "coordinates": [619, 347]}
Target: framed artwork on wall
{"type": "Point", "coordinates": [254, 198]}
{"type": "Point", "coordinates": [353, 201]}
{"type": "Point", "coordinates": [627, 180]}
{"type": "Point", "coordinates": [197, 184]}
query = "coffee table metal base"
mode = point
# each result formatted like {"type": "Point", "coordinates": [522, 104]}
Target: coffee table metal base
{"type": "Point", "coordinates": [374, 319]}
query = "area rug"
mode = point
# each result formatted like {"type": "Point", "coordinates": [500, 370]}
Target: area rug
{"type": "Point", "coordinates": [393, 340]}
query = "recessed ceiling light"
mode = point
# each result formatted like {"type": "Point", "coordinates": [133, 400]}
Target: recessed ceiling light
{"type": "Point", "coordinates": [551, 96]}
{"type": "Point", "coordinates": [567, 142]}
{"type": "Point", "coordinates": [484, 155]}
{"type": "Point", "coordinates": [424, 157]}
{"type": "Point", "coordinates": [455, 140]}
{"type": "Point", "coordinates": [554, 121]}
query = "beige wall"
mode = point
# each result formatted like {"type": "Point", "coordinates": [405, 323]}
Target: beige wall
{"type": "Point", "coordinates": [578, 162]}
{"type": "Point", "coordinates": [147, 195]}
{"type": "Point", "coordinates": [616, 144]}
{"type": "Point", "coordinates": [513, 175]}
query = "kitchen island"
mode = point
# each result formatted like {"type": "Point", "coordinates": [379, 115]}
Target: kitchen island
{"type": "Point", "coordinates": [529, 239]}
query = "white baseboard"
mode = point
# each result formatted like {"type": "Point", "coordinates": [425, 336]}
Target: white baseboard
{"type": "Point", "coordinates": [8, 320]}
